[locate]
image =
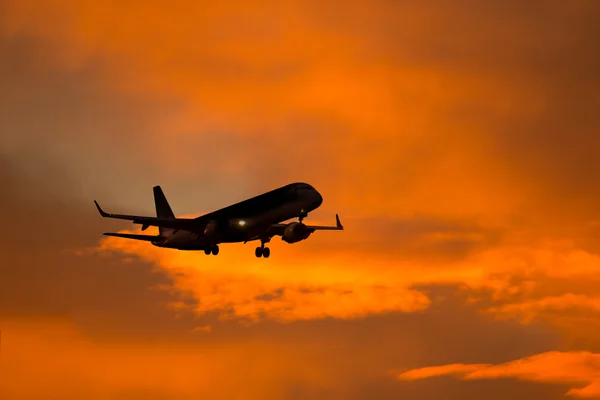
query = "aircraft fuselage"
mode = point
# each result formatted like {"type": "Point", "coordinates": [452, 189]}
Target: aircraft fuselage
{"type": "Point", "coordinates": [248, 219]}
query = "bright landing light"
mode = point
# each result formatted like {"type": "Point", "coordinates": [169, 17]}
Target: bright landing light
{"type": "Point", "coordinates": [242, 222]}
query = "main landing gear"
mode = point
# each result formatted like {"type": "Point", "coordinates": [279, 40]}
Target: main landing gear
{"type": "Point", "coordinates": [263, 251]}
{"type": "Point", "coordinates": [214, 250]}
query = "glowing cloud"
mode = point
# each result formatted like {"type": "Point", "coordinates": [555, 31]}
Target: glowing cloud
{"type": "Point", "coordinates": [237, 285]}
{"type": "Point", "coordinates": [37, 356]}
{"type": "Point", "coordinates": [572, 368]}
{"type": "Point", "coordinates": [297, 285]}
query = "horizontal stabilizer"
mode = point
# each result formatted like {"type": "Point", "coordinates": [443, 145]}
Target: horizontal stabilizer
{"type": "Point", "coordinates": [186, 224]}
{"type": "Point", "coordinates": [148, 238]}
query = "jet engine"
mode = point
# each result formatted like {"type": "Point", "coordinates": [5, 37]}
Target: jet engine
{"type": "Point", "coordinates": [295, 232]}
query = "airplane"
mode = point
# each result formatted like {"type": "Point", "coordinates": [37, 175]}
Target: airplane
{"type": "Point", "coordinates": [258, 218]}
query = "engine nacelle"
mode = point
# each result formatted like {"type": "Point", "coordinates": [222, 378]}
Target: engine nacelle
{"type": "Point", "coordinates": [295, 232]}
{"type": "Point", "coordinates": [211, 228]}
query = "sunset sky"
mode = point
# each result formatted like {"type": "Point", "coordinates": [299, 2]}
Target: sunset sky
{"type": "Point", "coordinates": [459, 141]}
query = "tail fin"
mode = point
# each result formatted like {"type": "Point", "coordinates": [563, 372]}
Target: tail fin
{"type": "Point", "coordinates": [163, 210]}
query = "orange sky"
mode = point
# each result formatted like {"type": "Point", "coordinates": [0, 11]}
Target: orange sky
{"type": "Point", "coordinates": [457, 141]}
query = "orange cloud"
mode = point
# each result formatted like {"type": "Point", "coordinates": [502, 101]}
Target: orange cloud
{"type": "Point", "coordinates": [298, 88]}
{"type": "Point", "coordinates": [393, 114]}
{"type": "Point", "coordinates": [51, 358]}
{"type": "Point", "coordinates": [400, 116]}
{"type": "Point", "coordinates": [295, 284]}
{"type": "Point", "coordinates": [451, 369]}
{"type": "Point", "coordinates": [455, 158]}
{"type": "Point", "coordinates": [238, 285]}
{"type": "Point", "coordinates": [529, 310]}
{"type": "Point", "coordinates": [572, 368]}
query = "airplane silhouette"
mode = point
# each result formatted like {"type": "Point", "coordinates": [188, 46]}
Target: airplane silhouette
{"type": "Point", "coordinates": [258, 218]}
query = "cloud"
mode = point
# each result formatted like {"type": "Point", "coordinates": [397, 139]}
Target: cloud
{"type": "Point", "coordinates": [202, 329]}
{"type": "Point", "coordinates": [323, 359]}
{"type": "Point", "coordinates": [104, 321]}
{"type": "Point", "coordinates": [43, 353]}
{"type": "Point", "coordinates": [454, 158]}
{"type": "Point", "coordinates": [451, 369]}
{"type": "Point", "coordinates": [45, 274]}
{"type": "Point", "coordinates": [242, 287]}
{"type": "Point", "coordinates": [572, 368]}
{"type": "Point", "coordinates": [121, 328]}
{"type": "Point", "coordinates": [532, 308]}
{"type": "Point", "coordinates": [321, 278]}
{"type": "Point", "coordinates": [431, 111]}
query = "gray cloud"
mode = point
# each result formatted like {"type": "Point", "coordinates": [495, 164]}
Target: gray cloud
{"type": "Point", "coordinates": [42, 275]}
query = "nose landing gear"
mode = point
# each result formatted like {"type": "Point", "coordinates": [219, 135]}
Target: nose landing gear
{"type": "Point", "coordinates": [302, 215]}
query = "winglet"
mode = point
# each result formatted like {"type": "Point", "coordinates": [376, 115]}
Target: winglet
{"type": "Point", "coordinates": [337, 222]}
{"type": "Point", "coordinates": [104, 214]}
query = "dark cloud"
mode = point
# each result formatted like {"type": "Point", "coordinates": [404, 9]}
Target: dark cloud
{"type": "Point", "coordinates": [107, 137]}
{"type": "Point", "coordinates": [531, 95]}
{"type": "Point", "coordinates": [434, 239]}
{"type": "Point", "coordinates": [561, 297]}
{"type": "Point", "coordinates": [449, 330]}
{"type": "Point", "coordinates": [271, 296]}
{"type": "Point", "coordinates": [122, 144]}
{"type": "Point", "coordinates": [47, 272]}
{"type": "Point", "coordinates": [550, 145]}
{"type": "Point", "coordinates": [50, 112]}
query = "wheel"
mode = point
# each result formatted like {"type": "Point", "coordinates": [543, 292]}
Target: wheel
{"type": "Point", "coordinates": [207, 251]}
{"type": "Point", "coordinates": [266, 252]}
{"type": "Point", "coordinates": [258, 252]}
{"type": "Point", "coordinates": [215, 250]}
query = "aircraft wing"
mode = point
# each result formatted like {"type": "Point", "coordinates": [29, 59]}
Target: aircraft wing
{"type": "Point", "coordinates": [185, 224]}
{"type": "Point", "coordinates": [147, 238]}
{"type": "Point", "coordinates": [338, 226]}
{"type": "Point", "coordinates": [277, 229]}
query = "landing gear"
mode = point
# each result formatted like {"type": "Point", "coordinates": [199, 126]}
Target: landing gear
{"type": "Point", "coordinates": [302, 215]}
{"type": "Point", "coordinates": [214, 250]}
{"type": "Point", "coordinates": [263, 251]}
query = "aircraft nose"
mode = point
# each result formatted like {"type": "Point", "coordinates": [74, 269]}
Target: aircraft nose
{"type": "Point", "coordinates": [309, 194]}
{"type": "Point", "coordinates": [318, 199]}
